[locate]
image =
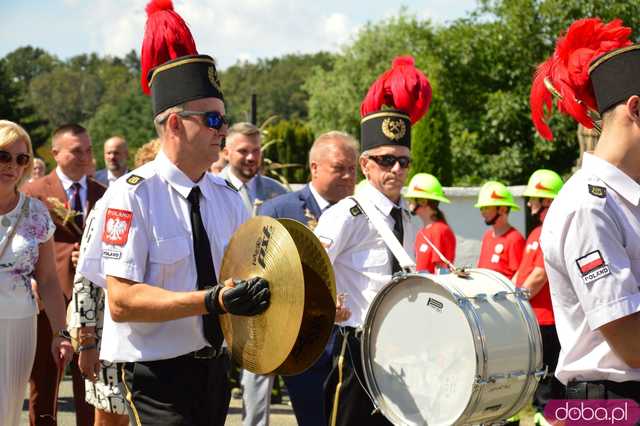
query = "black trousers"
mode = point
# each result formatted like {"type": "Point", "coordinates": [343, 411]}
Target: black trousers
{"type": "Point", "coordinates": [346, 402]}
{"type": "Point", "coordinates": [549, 387]}
{"type": "Point", "coordinates": [177, 391]}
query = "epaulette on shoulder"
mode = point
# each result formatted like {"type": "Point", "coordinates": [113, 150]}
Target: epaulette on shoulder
{"type": "Point", "coordinates": [597, 191]}
{"type": "Point", "coordinates": [355, 210]}
{"type": "Point", "coordinates": [134, 180]}
{"type": "Point", "coordinates": [230, 185]}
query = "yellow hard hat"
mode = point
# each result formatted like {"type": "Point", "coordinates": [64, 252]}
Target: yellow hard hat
{"type": "Point", "coordinates": [496, 194]}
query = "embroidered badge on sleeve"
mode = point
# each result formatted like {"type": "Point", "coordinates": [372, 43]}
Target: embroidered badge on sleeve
{"type": "Point", "coordinates": [592, 267]}
{"type": "Point", "coordinates": [116, 226]}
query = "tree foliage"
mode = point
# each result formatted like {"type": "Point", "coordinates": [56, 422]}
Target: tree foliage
{"type": "Point", "coordinates": [336, 93]}
{"type": "Point", "coordinates": [431, 144]}
{"type": "Point", "coordinates": [277, 84]}
{"type": "Point", "coordinates": [287, 143]}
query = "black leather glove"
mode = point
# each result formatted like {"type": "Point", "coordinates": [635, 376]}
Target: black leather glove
{"type": "Point", "coordinates": [247, 298]}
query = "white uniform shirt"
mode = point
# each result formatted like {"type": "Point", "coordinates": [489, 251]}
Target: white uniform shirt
{"type": "Point", "coordinates": [142, 232]}
{"type": "Point", "coordinates": [360, 258]}
{"type": "Point", "coordinates": [591, 245]}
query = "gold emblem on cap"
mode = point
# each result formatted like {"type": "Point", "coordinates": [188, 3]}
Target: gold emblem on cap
{"type": "Point", "coordinates": [394, 129]}
{"type": "Point", "coordinates": [213, 78]}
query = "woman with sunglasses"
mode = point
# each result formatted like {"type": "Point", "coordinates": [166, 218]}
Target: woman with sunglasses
{"type": "Point", "coordinates": [26, 251]}
{"type": "Point", "coordinates": [425, 194]}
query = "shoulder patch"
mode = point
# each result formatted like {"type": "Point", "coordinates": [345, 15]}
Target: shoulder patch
{"type": "Point", "coordinates": [134, 179]}
{"type": "Point", "coordinates": [230, 185]}
{"type": "Point", "coordinates": [355, 210]}
{"type": "Point", "coordinates": [598, 191]}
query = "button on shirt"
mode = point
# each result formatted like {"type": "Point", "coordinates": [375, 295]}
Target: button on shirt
{"type": "Point", "coordinates": [67, 184]}
{"type": "Point", "coordinates": [142, 232]}
{"type": "Point", "coordinates": [591, 246]}
{"type": "Point", "coordinates": [360, 258]}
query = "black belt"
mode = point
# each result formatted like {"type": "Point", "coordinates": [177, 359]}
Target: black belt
{"type": "Point", "coordinates": [206, 353]}
{"type": "Point", "coordinates": [603, 389]}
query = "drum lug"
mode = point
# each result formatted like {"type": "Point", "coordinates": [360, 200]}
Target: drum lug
{"type": "Point", "coordinates": [480, 297]}
{"type": "Point", "coordinates": [542, 373]}
{"type": "Point", "coordinates": [523, 293]}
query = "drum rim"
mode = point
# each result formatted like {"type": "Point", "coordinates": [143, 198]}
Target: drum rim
{"type": "Point", "coordinates": [536, 355]}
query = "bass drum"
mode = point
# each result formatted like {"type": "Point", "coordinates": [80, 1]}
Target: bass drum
{"type": "Point", "coordinates": [451, 350]}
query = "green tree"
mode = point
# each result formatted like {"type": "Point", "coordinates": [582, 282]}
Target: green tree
{"type": "Point", "coordinates": [130, 116]}
{"type": "Point", "coordinates": [336, 93]}
{"type": "Point", "coordinates": [277, 83]}
{"type": "Point", "coordinates": [430, 144]}
{"type": "Point", "coordinates": [286, 147]}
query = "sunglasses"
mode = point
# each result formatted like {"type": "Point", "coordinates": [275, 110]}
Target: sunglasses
{"type": "Point", "coordinates": [389, 160]}
{"type": "Point", "coordinates": [21, 159]}
{"type": "Point", "coordinates": [212, 119]}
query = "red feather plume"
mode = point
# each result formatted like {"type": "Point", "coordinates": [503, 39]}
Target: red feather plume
{"type": "Point", "coordinates": [567, 70]}
{"type": "Point", "coordinates": [166, 37]}
{"type": "Point", "coordinates": [403, 87]}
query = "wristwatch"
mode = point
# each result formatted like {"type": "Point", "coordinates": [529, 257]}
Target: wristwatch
{"type": "Point", "coordinates": [64, 333]}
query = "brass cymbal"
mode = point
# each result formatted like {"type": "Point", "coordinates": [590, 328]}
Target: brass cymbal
{"type": "Point", "coordinates": [263, 247]}
{"type": "Point", "coordinates": [319, 300]}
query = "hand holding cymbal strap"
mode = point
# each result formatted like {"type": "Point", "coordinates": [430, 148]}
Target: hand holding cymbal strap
{"type": "Point", "coordinates": [246, 298]}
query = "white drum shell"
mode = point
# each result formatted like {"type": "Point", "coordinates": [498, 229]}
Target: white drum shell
{"type": "Point", "coordinates": [444, 350]}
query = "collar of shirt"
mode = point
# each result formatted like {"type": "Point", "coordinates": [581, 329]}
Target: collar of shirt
{"type": "Point", "coordinates": [384, 204]}
{"type": "Point", "coordinates": [322, 203]}
{"type": "Point", "coordinates": [238, 183]}
{"type": "Point", "coordinates": [112, 178]}
{"type": "Point", "coordinates": [176, 177]}
{"type": "Point", "coordinates": [613, 177]}
{"type": "Point", "coordinates": [67, 182]}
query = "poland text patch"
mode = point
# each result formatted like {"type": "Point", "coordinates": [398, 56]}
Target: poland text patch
{"type": "Point", "coordinates": [592, 267]}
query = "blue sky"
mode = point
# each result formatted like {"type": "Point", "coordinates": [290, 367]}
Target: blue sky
{"type": "Point", "coordinates": [229, 30]}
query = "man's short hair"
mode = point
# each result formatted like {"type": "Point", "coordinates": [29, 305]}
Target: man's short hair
{"type": "Point", "coordinates": [243, 128]}
{"type": "Point", "coordinates": [73, 128]}
{"type": "Point", "coordinates": [324, 138]}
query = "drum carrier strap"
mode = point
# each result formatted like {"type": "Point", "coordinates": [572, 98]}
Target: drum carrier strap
{"type": "Point", "coordinates": [378, 222]}
{"type": "Point", "coordinates": [407, 264]}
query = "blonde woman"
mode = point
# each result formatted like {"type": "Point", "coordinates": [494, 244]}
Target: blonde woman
{"type": "Point", "coordinates": [26, 251]}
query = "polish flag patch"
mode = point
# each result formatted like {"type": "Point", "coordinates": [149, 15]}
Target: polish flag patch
{"type": "Point", "coordinates": [592, 266]}
{"type": "Point", "coordinates": [116, 226]}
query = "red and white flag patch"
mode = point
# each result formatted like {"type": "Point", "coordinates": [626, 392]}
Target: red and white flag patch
{"type": "Point", "coordinates": [592, 266]}
{"type": "Point", "coordinates": [116, 226]}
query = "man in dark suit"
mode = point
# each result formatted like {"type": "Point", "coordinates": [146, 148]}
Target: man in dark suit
{"type": "Point", "coordinates": [65, 189]}
{"type": "Point", "coordinates": [116, 153]}
{"type": "Point", "coordinates": [332, 160]}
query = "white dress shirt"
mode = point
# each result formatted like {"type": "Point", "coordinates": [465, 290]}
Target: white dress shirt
{"type": "Point", "coordinates": [142, 232]}
{"type": "Point", "coordinates": [361, 260]}
{"type": "Point", "coordinates": [67, 183]}
{"type": "Point", "coordinates": [322, 203]}
{"type": "Point", "coordinates": [591, 245]}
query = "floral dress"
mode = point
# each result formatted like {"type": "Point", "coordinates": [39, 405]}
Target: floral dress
{"type": "Point", "coordinates": [33, 226]}
{"type": "Point", "coordinates": [87, 310]}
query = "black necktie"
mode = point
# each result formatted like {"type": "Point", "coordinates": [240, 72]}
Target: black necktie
{"type": "Point", "coordinates": [396, 214]}
{"type": "Point", "coordinates": [204, 266]}
{"type": "Point", "coordinates": [76, 205]}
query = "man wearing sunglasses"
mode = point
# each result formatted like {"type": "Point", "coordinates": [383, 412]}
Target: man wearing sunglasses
{"type": "Point", "coordinates": [69, 185]}
{"type": "Point", "coordinates": [362, 262]}
{"type": "Point", "coordinates": [158, 240]}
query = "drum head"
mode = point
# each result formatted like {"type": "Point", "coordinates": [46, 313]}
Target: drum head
{"type": "Point", "coordinates": [418, 353]}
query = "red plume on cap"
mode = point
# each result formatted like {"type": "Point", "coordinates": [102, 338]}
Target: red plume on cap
{"type": "Point", "coordinates": [166, 37]}
{"type": "Point", "coordinates": [403, 87]}
{"type": "Point", "coordinates": [567, 70]}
